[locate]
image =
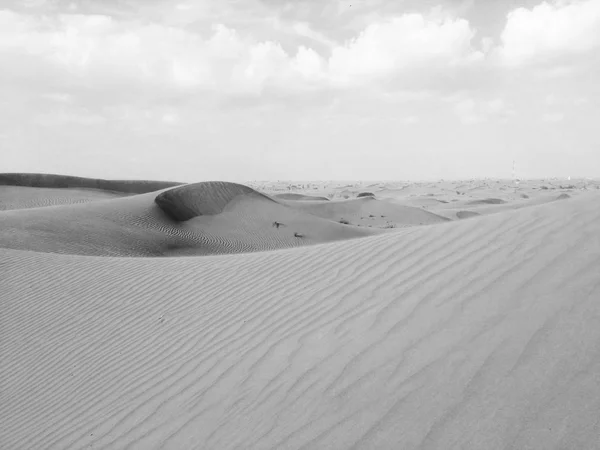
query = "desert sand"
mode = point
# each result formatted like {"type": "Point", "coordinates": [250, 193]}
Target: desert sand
{"type": "Point", "coordinates": [277, 315]}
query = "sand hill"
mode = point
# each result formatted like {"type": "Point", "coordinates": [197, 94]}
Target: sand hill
{"type": "Point", "coordinates": [195, 219]}
{"type": "Point", "coordinates": [480, 333]}
{"type": "Point", "coordinates": [34, 190]}
{"type": "Point", "coordinates": [293, 196]}
{"type": "Point", "coordinates": [369, 211]}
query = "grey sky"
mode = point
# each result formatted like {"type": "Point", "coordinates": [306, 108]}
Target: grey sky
{"type": "Point", "coordinates": [241, 90]}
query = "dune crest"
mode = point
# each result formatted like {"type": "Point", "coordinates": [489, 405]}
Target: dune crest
{"type": "Point", "coordinates": [45, 180]}
{"type": "Point", "coordinates": [196, 219]}
{"type": "Point", "coordinates": [201, 199]}
{"type": "Point", "coordinates": [300, 197]}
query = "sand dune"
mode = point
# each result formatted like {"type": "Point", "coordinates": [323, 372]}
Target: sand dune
{"type": "Point", "coordinates": [195, 219]}
{"type": "Point", "coordinates": [368, 211]}
{"type": "Point", "coordinates": [23, 197]}
{"type": "Point", "coordinates": [35, 190]}
{"type": "Point", "coordinates": [203, 199]}
{"type": "Point", "coordinates": [466, 214]}
{"type": "Point", "coordinates": [471, 334]}
{"type": "Point", "coordinates": [44, 180]}
{"type": "Point", "coordinates": [300, 197]}
{"type": "Point", "coordinates": [487, 201]}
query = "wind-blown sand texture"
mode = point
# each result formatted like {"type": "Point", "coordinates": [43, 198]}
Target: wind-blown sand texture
{"type": "Point", "coordinates": [481, 333]}
{"type": "Point", "coordinates": [195, 219]}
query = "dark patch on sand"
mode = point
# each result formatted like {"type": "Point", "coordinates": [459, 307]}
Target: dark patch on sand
{"type": "Point", "coordinates": [201, 199]}
{"type": "Point", "coordinates": [299, 197]}
{"type": "Point", "coordinates": [466, 214]}
{"type": "Point", "coordinates": [487, 201]}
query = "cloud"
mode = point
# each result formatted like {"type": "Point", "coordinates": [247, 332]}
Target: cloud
{"type": "Point", "coordinates": [471, 111]}
{"type": "Point", "coordinates": [549, 31]}
{"type": "Point", "coordinates": [101, 46]}
{"type": "Point", "coordinates": [304, 29]}
{"type": "Point", "coordinates": [410, 120]}
{"type": "Point", "coordinates": [60, 97]}
{"type": "Point", "coordinates": [110, 50]}
{"type": "Point", "coordinates": [408, 42]}
{"type": "Point", "coordinates": [72, 116]}
{"type": "Point", "coordinates": [553, 117]}
{"type": "Point", "coordinates": [551, 99]}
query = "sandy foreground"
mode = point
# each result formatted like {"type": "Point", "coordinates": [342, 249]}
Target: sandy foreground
{"type": "Point", "coordinates": [447, 315]}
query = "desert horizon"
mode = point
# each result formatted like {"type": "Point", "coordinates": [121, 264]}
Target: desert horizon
{"type": "Point", "coordinates": [299, 225]}
{"type": "Point", "coordinates": [148, 314]}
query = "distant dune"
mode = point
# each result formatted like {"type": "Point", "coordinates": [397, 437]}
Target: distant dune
{"type": "Point", "coordinates": [488, 201]}
{"type": "Point", "coordinates": [300, 197]}
{"type": "Point", "coordinates": [466, 214]}
{"type": "Point", "coordinates": [183, 203]}
{"type": "Point", "coordinates": [23, 197]}
{"type": "Point", "coordinates": [370, 211]}
{"type": "Point", "coordinates": [462, 334]}
{"type": "Point", "coordinates": [195, 219]}
{"type": "Point", "coordinates": [44, 180]}
{"type": "Point", "coordinates": [34, 190]}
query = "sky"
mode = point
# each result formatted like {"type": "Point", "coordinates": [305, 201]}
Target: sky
{"type": "Point", "coordinates": [246, 90]}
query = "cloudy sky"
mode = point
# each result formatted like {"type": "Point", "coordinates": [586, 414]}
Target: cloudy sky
{"type": "Point", "coordinates": [305, 89]}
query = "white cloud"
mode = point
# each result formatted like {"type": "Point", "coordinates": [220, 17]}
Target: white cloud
{"type": "Point", "coordinates": [551, 99]}
{"type": "Point", "coordinates": [304, 29]}
{"type": "Point", "coordinates": [466, 110]}
{"type": "Point", "coordinates": [170, 117]}
{"type": "Point", "coordinates": [75, 116]}
{"type": "Point", "coordinates": [97, 45]}
{"type": "Point", "coordinates": [549, 30]}
{"type": "Point", "coordinates": [410, 120]}
{"type": "Point", "coordinates": [145, 118]}
{"type": "Point", "coordinates": [60, 97]}
{"type": "Point", "coordinates": [100, 45]}
{"type": "Point", "coordinates": [308, 63]}
{"type": "Point", "coordinates": [403, 43]}
{"type": "Point", "coordinates": [553, 117]}
{"type": "Point", "coordinates": [471, 111]}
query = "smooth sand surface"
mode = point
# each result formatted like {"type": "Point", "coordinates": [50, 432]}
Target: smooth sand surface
{"type": "Point", "coordinates": [369, 211]}
{"type": "Point", "coordinates": [475, 333]}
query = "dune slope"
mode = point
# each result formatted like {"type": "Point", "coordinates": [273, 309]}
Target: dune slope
{"type": "Point", "coordinates": [36, 190]}
{"type": "Point", "coordinates": [24, 197]}
{"type": "Point", "coordinates": [46, 180]}
{"type": "Point", "coordinates": [195, 219]}
{"type": "Point", "coordinates": [360, 210]}
{"type": "Point", "coordinates": [475, 334]}
{"type": "Point", "coordinates": [300, 197]}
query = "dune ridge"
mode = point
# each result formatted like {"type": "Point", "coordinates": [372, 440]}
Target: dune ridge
{"type": "Point", "coordinates": [471, 334]}
{"type": "Point", "coordinates": [195, 219]}
{"type": "Point", "coordinates": [37, 190]}
{"type": "Point", "coordinates": [24, 197]}
{"type": "Point", "coordinates": [202, 199]}
{"type": "Point", "coordinates": [300, 197]}
{"type": "Point", "coordinates": [55, 181]}
{"type": "Point", "coordinates": [360, 210]}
